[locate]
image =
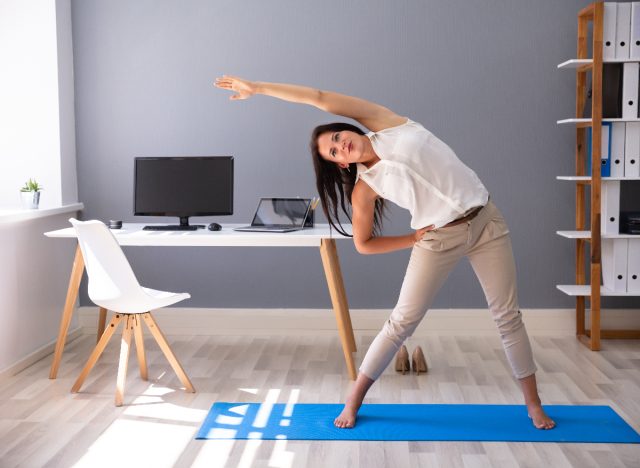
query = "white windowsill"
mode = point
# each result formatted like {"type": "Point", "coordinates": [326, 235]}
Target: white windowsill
{"type": "Point", "coordinates": [12, 215]}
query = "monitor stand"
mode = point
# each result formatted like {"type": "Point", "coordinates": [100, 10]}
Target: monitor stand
{"type": "Point", "coordinates": [183, 226]}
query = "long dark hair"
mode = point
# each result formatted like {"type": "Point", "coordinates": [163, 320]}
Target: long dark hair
{"type": "Point", "coordinates": [332, 180]}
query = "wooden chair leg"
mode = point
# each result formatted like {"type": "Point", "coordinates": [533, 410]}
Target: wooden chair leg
{"type": "Point", "coordinates": [137, 333]}
{"type": "Point", "coordinates": [125, 347]}
{"type": "Point", "coordinates": [166, 349]}
{"type": "Point", "coordinates": [97, 351]}
{"type": "Point", "coordinates": [101, 321]}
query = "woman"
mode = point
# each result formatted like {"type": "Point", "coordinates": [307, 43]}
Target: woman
{"type": "Point", "coordinates": [399, 160]}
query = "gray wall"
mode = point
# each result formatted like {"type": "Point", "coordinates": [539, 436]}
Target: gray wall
{"type": "Point", "coordinates": [480, 75]}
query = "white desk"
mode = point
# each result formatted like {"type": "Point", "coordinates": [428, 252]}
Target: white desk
{"type": "Point", "coordinates": [132, 234]}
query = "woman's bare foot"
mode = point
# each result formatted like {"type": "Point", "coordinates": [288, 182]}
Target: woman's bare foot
{"type": "Point", "coordinates": [540, 418]}
{"type": "Point", "coordinates": [346, 419]}
{"type": "Point", "coordinates": [534, 405]}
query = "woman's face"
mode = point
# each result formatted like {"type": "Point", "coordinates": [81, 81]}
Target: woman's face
{"type": "Point", "coordinates": [343, 148]}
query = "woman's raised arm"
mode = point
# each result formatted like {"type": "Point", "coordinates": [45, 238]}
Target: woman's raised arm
{"type": "Point", "coordinates": [373, 116]}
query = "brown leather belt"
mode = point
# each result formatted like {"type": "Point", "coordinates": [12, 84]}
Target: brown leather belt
{"type": "Point", "coordinates": [466, 218]}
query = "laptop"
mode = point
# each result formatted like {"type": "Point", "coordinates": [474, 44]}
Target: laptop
{"type": "Point", "coordinates": [279, 215]}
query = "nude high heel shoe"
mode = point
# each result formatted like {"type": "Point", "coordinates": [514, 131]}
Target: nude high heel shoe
{"type": "Point", "coordinates": [418, 361]}
{"type": "Point", "coordinates": [402, 360]}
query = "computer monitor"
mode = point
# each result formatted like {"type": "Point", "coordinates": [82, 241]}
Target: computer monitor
{"type": "Point", "coordinates": [183, 187]}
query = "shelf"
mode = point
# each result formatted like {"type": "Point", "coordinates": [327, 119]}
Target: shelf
{"type": "Point", "coordinates": [587, 235]}
{"type": "Point", "coordinates": [576, 63]}
{"type": "Point", "coordinates": [588, 178]}
{"type": "Point", "coordinates": [621, 120]}
{"type": "Point", "coordinates": [585, 290]}
{"type": "Point", "coordinates": [575, 121]}
{"type": "Point", "coordinates": [587, 122]}
{"type": "Point", "coordinates": [576, 178]}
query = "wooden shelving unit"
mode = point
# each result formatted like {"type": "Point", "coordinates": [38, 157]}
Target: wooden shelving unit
{"type": "Point", "coordinates": [581, 290]}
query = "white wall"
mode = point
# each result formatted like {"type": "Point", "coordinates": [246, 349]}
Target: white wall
{"type": "Point", "coordinates": [37, 136]}
{"type": "Point", "coordinates": [34, 276]}
{"type": "Point", "coordinates": [68, 177]}
{"type": "Point", "coordinates": [37, 140]}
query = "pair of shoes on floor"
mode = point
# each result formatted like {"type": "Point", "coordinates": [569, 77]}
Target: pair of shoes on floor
{"type": "Point", "coordinates": [418, 361]}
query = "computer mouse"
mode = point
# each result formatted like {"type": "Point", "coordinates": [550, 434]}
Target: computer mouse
{"type": "Point", "coordinates": [214, 227]}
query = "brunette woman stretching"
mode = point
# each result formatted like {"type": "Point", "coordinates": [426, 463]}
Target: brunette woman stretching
{"type": "Point", "coordinates": [400, 161]}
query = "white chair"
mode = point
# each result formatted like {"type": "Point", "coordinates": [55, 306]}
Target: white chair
{"type": "Point", "coordinates": [113, 285]}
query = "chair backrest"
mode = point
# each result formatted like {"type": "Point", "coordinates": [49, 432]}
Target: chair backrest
{"type": "Point", "coordinates": [109, 271]}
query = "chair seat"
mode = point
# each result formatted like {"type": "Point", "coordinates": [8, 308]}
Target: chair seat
{"type": "Point", "coordinates": [164, 298]}
{"type": "Point", "coordinates": [148, 299]}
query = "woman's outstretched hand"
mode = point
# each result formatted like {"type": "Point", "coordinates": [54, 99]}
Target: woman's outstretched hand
{"type": "Point", "coordinates": [243, 88]}
{"type": "Point", "coordinates": [420, 232]}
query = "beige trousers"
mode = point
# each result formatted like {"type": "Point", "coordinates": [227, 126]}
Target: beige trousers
{"type": "Point", "coordinates": [485, 241]}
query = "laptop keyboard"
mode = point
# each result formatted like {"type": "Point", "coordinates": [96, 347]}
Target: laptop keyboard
{"type": "Point", "coordinates": [268, 228]}
{"type": "Point", "coordinates": [280, 227]}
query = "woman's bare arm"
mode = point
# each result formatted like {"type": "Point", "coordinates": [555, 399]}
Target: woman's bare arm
{"type": "Point", "coordinates": [363, 200]}
{"type": "Point", "coordinates": [373, 116]}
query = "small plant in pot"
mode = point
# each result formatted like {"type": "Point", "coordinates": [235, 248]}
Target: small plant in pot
{"type": "Point", "coordinates": [30, 194]}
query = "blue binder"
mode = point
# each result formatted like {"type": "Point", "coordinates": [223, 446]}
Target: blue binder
{"type": "Point", "coordinates": [605, 171]}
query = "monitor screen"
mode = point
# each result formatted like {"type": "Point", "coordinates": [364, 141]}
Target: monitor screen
{"type": "Point", "coordinates": [183, 186]}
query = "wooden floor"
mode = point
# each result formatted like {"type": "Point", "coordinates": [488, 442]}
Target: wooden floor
{"type": "Point", "coordinates": [42, 424]}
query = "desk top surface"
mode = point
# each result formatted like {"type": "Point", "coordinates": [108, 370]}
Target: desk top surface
{"type": "Point", "coordinates": [133, 234]}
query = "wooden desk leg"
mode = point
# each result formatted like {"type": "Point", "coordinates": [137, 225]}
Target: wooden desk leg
{"type": "Point", "coordinates": [67, 312]}
{"type": "Point", "coordinates": [101, 322]}
{"type": "Point", "coordinates": [332, 271]}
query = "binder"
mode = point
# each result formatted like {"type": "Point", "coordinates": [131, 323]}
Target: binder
{"type": "Point", "coordinates": [616, 161]}
{"type": "Point", "coordinates": [586, 110]}
{"type": "Point", "coordinates": [611, 92]}
{"type": "Point", "coordinates": [630, 222]}
{"type": "Point", "coordinates": [609, 31]}
{"type": "Point", "coordinates": [634, 52]}
{"type": "Point", "coordinates": [630, 90]}
{"type": "Point", "coordinates": [614, 264]}
{"type": "Point", "coordinates": [605, 150]}
{"type": "Point", "coordinates": [610, 207]}
{"type": "Point", "coordinates": [633, 266]}
{"type": "Point", "coordinates": [632, 150]}
{"type": "Point", "coordinates": [612, 85]}
{"type": "Point", "coordinates": [623, 30]}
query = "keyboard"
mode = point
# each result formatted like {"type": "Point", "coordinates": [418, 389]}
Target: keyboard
{"type": "Point", "coordinates": [271, 228]}
{"type": "Point", "coordinates": [173, 227]}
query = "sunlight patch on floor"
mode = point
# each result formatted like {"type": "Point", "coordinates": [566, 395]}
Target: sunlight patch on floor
{"type": "Point", "coordinates": [138, 443]}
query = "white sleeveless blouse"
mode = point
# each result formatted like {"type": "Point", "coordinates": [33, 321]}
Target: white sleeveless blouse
{"type": "Point", "coordinates": [419, 172]}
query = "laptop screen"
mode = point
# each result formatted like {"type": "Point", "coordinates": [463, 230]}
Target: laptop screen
{"type": "Point", "coordinates": [281, 211]}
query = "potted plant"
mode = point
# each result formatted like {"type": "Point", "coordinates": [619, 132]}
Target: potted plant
{"type": "Point", "coordinates": [30, 194]}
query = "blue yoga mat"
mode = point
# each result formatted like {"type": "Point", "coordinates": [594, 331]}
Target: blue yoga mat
{"type": "Point", "coordinates": [497, 423]}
